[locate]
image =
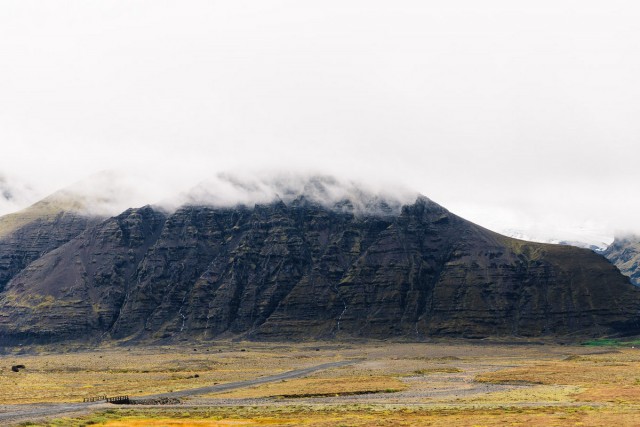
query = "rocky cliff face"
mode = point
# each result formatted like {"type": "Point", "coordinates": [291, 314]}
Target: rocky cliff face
{"type": "Point", "coordinates": [29, 234]}
{"type": "Point", "coordinates": [624, 252]}
{"type": "Point", "coordinates": [303, 271]}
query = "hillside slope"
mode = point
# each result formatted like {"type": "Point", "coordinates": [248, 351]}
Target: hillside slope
{"type": "Point", "coordinates": [303, 271]}
{"type": "Point", "coordinates": [32, 232]}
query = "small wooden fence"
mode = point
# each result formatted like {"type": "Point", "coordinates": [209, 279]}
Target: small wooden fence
{"type": "Point", "coordinates": [118, 399]}
{"type": "Point", "coordinates": [94, 399]}
{"type": "Point", "coordinates": [115, 399]}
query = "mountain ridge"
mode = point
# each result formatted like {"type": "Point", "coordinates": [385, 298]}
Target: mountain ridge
{"type": "Point", "coordinates": [28, 234]}
{"type": "Point", "coordinates": [302, 271]}
{"type": "Point", "coordinates": [624, 252]}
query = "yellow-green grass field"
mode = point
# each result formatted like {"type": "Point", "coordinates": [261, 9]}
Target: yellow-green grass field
{"type": "Point", "coordinates": [438, 384]}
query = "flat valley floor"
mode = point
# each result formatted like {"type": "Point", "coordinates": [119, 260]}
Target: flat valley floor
{"type": "Point", "coordinates": [443, 383]}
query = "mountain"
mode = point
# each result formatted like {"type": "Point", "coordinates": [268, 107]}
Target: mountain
{"type": "Point", "coordinates": [584, 240]}
{"type": "Point", "coordinates": [303, 270]}
{"type": "Point", "coordinates": [624, 252]}
{"type": "Point", "coordinates": [29, 234]}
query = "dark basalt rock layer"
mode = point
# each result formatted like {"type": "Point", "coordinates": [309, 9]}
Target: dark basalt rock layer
{"type": "Point", "coordinates": [624, 252]}
{"type": "Point", "coordinates": [27, 235]}
{"type": "Point", "coordinates": [302, 271]}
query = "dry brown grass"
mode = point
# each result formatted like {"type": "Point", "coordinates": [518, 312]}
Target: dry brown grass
{"type": "Point", "coordinates": [320, 387]}
{"type": "Point", "coordinates": [607, 377]}
{"type": "Point", "coordinates": [375, 417]}
{"type": "Point", "coordinates": [619, 395]}
{"type": "Point", "coordinates": [172, 422]}
{"type": "Point", "coordinates": [569, 373]}
{"type": "Point", "coordinates": [73, 376]}
{"type": "Point", "coordinates": [440, 385]}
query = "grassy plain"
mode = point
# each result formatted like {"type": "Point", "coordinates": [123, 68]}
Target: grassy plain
{"type": "Point", "coordinates": [438, 384]}
{"type": "Point", "coordinates": [69, 377]}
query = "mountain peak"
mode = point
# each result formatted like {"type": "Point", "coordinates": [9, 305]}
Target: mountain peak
{"type": "Point", "coordinates": [227, 190]}
{"type": "Point", "coordinates": [624, 252]}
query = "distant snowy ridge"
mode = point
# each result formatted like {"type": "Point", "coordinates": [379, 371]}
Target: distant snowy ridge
{"type": "Point", "coordinates": [593, 242]}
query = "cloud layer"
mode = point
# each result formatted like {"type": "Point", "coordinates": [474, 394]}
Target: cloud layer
{"type": "Point", "coordinates": [515, 116]}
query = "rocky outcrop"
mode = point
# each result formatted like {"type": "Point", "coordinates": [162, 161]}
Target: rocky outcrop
{"type": "Point", "coordinates": [29, 234]}
{"type": "Point", "coordinates": [78, 289]}
{"type": "Point", "coordinates": [624, 252]}
{"type": "Point", "coordinates": [303, 271]}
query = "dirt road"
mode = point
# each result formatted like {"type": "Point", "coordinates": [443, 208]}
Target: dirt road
{"type": "Point", "coordinates": [10, 414]}
{"type": "Point", "coordinates": [248, 383]}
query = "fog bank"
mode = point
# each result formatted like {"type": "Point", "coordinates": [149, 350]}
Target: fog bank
{"type": "Point", "coordinates": [517, 116]}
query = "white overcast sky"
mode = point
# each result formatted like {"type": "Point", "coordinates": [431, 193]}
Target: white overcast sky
{"type": "Point", "coordinates": [517, 115]}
